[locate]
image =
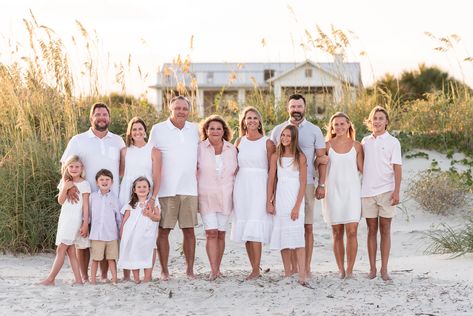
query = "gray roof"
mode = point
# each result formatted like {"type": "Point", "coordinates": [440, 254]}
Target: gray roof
{"type": "Point", "coordinates": [247, 75]}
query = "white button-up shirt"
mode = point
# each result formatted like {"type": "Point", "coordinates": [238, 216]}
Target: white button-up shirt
{"type": "Point", "coordinates": [310, 139]}
{"type": "Point", "coordinates": [96, 153]}
{"type": "Point", "coordinates": [381, 153]}
{"type": "Point", "coordinates": [179, 156]}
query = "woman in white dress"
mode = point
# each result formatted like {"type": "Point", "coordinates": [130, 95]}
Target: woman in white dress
{"type": "Point", "coordinates": [288, 173]}
{"type": "Point", "coordinates": [251, 221]}
{"type": "Point", "coordinates": [342, 203]}
{"type": "Point", "coordinates": [138, 159]}
{"type": "Point", "coordinates": [138, 232]}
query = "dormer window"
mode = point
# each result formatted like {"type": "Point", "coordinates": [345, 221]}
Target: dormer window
{"type": "Point", "coordinates": [308, 72]}
{"type": "Point", "coordinates": [210, 77]}
{"type": "Point", "coordinates": [268, 73]}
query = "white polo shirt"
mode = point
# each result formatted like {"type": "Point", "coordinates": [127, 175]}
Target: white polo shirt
{"type": "Point", "coordinates": [179, 156]}
{"type": "Point", "coordinates": [381, 153]}
{"type": "Point", "coordinates": [310, 139]}
{"type": "Point", "coordinates": [96, 153]}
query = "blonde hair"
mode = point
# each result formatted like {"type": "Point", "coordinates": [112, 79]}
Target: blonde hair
{"type": "Point", "coordinates": [293, 148]}
{"type": "Point", "coordinates": [204, 126]}
{"type": "Point", "coordinates": [330, 130]}
{"type": "Point", "coordinates": [242, 125]}
{"type": "Point", "coordinates": [69, 161]}
{"type": "Point", "coordinates": [128, 139]}
{"type": "Point", "coordinates": [369, 121]}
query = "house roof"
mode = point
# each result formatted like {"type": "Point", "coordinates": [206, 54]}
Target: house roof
{"type": "Point", "coordinates": [248, 75]}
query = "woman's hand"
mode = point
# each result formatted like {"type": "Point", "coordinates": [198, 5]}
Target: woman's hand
{"type": "Point", "coordinates": [84, 229]}
{"type": "Point", "coordinates": [295, 214]}
{"type": "Point", "coordinates": [270, 208]}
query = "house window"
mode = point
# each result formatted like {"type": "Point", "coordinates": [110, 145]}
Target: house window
{"type": "Point", "coordinates": [308, 72]}
{"type": "Point", "coordinates": [210, 77]}
{"type": "Point", "coordinates": [268, 73]}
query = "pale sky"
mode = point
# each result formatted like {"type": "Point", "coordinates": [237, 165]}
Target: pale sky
{"type": "Point", "coordinates": [155, 32]}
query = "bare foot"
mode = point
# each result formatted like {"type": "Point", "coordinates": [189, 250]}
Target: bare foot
{"type": "Point", "coordinates": [341, 274]}
{"type": "Point", "coordinates": [253, 275]}
{"type": "Point", "coordinates": [102, 280]}
{"type": "Point", "coordinates": [190, 274]}
{"type": "Point", "coordinates": [164, 276]}
{"type": "Point", "coordinates": [385, 276]}
{"type": "Point", "coordinates": [137, 281]}
{"type": "Point", "coordinates": [349, 275]}
{"type": "Point", "coordinates": [93, 282]}
{"type": "Point", "coordinates": [126, 279]}
{"type": "Point", "coordinates": [372, 274]}
{"type": "Point", "coordinates": [213, 276]}
{"type": "Point", "coordinates": [47, 282]}
{"type": "Point", "coordinates": [308, 275]}
{"type": "Point", "coordinates": [220, 275]}
{"type": "Point", "coordinates": [76, 283]}
{"type": "Point", "coordinates": [146, 280]}
{"type": "Point", "coordinates": [114, 281]}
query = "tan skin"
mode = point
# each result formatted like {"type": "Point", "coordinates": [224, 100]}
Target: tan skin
{"type": "Point", "coordinates": [215, 245]}
{"type": "Point", "coordinates": [286, 254]}
{"type": "Point", "coordinates": [179, 114]}
{"type": "Point", "coordinates": [99, 122]}
{"type": "Point", "coordinates": [341, 144]}
{"type": "Point", "coordinates": [75, 170]}
{"type": "Point", "coordinates": [142, 190]}
{"type": "Point", "coordinates": [254, 249]}
{"type": "Point", "coordinates": [293, 107]}
{"type": "Point", "coordinates": [138, 135]}
{"type": "Point", "coordinates": [378, 126]}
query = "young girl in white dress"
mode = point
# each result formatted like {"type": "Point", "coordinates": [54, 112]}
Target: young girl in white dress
{"type": "Point", "coordinates": [73, 220]}
{"type": "Point", "coordinates": [138, 232]}
{"type": "Point", "coordinates": [138, 159]}
{"type": "Point", "coordinates": [288, 176]}
{"type": "Point", "coordinates": [341, 206]}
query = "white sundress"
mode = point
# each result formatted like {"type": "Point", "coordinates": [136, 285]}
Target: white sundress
{"type": "Point", "coordinates": [250, 220]}
{"type": "Point", "coordinates": [138, 240]}
{"type": "Point", "coordinates": [287, 233]}
{"type": "Point", "coordinates": [70, 218]}
{"type": "Point", "coordinates": [342, 202]}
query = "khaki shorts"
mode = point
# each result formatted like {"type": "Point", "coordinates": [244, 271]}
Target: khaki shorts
{"type": "Point", "coordinates": [378, 205]}
{"type": "Point", "coordinates": [182, 208]}
{"type": "Point", "coordinates": [99, 247]}
{"type": "Point", "coordinates": [309, 204]}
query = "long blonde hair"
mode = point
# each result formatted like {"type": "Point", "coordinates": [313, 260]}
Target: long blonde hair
{"type": "Point", "coordinates": [330, 130]}
{"type": "Point", "coordinates": [242, 125]}
{"type": "Point", "coordinates": [70, 160]}
{"type": "Point", "coordinates": [293, 148]}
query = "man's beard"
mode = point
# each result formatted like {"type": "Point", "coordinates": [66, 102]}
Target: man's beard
{"type": "Point", "coordinates": [298, 116]}
{"type": "Point", "coordinates": [101, 128]}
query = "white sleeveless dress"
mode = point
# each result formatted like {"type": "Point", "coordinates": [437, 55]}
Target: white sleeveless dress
{"type": "Point", "coordinates": [342, 202]}
{"type": "Point", "coordinates": [138, 163]}
{"type": "Point", "coordinates": [250, 220]}
{"type": "Point", "coordinates": [70, 218]}
{"type": "Point", "coordinates": [138, 240]}
{"type": "Point", "coordinates": [287, 234]}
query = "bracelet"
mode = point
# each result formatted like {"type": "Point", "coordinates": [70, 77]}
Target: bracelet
{"type": "Point", "coordinates": [322, 185]}
{"type": "Point", "coordinates": [152, 198]}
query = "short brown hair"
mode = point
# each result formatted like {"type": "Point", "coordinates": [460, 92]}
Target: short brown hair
{"type": "Point", "coordinates": [105, 173]}
{"type": "Point", "coordinates": [180, 97]}
{"type": "Point", "coordinates": [204, 126]}
{"type": "Point", "coordinates": [97, 106]}
{"type": "Point", "coordinates": [369, 121]}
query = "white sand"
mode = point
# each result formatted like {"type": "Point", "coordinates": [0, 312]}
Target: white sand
{"type": "Point", "coordinates": [422, 284]}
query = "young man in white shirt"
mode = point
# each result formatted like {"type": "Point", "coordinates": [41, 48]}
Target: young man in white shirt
{"type": "Point", "coordinates": [380, 187]}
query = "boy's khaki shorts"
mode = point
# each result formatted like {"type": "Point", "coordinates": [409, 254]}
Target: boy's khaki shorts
{"type": "Point", "coordinates": [99, 248]}
{"type": "Point", "coordinates": [179, 208]}
{"type": "Point", "coordinates": [378, 205]}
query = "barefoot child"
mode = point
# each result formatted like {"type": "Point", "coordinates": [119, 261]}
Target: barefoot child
{"type": "Point", "coordinates": [73, 220]}
{"type": "Point", "coordinates": [105, 218]}
{"type": "Point", "coordinates": [342, 204]}
{"type": "Point", "coordinates": [138, 232]}
{"type": "Point", "coordinates": [288, 174]}
{"type": "Point", "coordinates": [380, 186]}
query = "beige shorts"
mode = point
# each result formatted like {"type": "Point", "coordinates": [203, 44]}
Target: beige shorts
{"type": "Point", "coordinates": [99, 248]}
{"type": "Point", "coordinates": [309, 199]}
{"type": "Point", "coordinates": [378, 205]}
{"type": "Point", "coordinates": [182, 208]}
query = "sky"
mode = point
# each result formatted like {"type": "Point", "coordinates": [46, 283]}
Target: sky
{"type": "Point", "coordinates": [391, 33]}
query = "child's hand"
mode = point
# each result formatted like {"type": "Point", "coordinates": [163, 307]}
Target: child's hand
{"type": "Point", "coordinates": [67, 183]}
{"type": "Point", "coordinates": [147, 211]}
{"type": "Point", "coordinates": [395, 198]}
{"type": "Point", "coordinates": [84, 230]}
{"type": "Point", "coordinates": [270, 208]}
{"type": "Point", "coordinates": [294, 214]}
{"type": "Point", "coordinates": [72, 194]}
{"type": "Point", "coordinates": [157, 214]}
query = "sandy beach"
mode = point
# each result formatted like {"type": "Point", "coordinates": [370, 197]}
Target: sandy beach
{"type": "Point", "coordinates": [422, 284]}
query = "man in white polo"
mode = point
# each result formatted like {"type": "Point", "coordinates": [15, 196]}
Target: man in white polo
{"type": "Point", "coordinates": [312, 143]}
{"type": "Point", "coordinates": [98, 148]}
{"type": "Point", "coordinates": [177, 139]}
